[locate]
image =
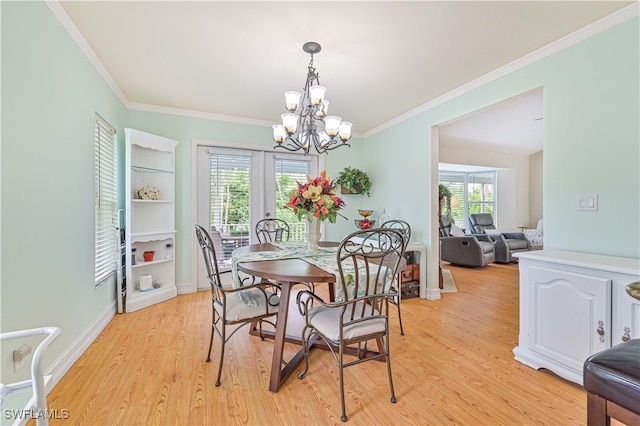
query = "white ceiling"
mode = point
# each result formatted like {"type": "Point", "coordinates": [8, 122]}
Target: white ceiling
{"type": "Point", "coordinates": [515, 125]}
{"type": "Point", "coordinates": [379, 59]}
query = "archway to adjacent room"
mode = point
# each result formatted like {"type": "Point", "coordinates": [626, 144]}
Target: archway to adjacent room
{"type": "Point", "coordinates": [507, 137]}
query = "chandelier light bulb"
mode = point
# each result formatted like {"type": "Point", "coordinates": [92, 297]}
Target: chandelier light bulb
{"type": "Point", "coordinates": [279, 133]}
{"type": "Point", "coordinates": [316, 94]}
{"type": "Point", "coordinates": [332, 125]}
{"type": "Point", "coordinates": [321, 112]}
{"type": "Point", "coordinates": [292, 100]}
{"type": "Point", "coordinates": [324, 138]}
{"type": "Point", "coordinates": [345, 131]}
{"type": "Point", "coordinates": [290, 122]}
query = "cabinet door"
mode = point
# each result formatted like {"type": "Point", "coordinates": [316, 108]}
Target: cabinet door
{"type": "Point", "coordinates": [626, 324]}
{"type": "Point", "coordinates": [570, 318]}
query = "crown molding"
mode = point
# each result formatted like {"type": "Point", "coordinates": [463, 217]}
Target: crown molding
{"type": "Point", "coordinates": [604, 24]}
{"type": "Point", "coordinates": [585, 33]}
{"type": "Point", "coordinates": [196, 114]}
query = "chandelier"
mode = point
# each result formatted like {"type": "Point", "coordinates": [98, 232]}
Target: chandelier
{"type": "Point", "coordinates": [306, 123]}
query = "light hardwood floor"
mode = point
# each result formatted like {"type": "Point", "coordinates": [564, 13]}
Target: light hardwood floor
{"type": "Point", "coordinates": [453, 366]}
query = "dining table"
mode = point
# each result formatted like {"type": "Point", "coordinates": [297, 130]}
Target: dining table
{"type": "Point", "coordinates": [288, 264]}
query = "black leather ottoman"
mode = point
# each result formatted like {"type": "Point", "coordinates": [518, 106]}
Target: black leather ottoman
{"type": "Point", "coordinates": [612, 381]}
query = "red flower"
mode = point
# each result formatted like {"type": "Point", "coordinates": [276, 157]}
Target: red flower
{"type": "Point", "coordinates": [316, 198]}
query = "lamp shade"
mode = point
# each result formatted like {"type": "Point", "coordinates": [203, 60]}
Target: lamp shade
{"type": "Point", "coordinates": [316, 93]}
{"type": "Point", "coordinates": [321, 112]}
{"type": "Point", "coordinates": [323, 137]}
{"type": "Point", "coordinates": [332, 125]}
{"type": "Point", "coordinates": [279, 133]}
{"type": "Point", "coordinates": [345, 131]}
{"type": "Point", "coordinates": [290, 122]}
{"type": "Point", "coordinates": [292, 100]}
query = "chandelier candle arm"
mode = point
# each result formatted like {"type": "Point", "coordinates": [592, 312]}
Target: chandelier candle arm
{"type": "Point", "coordinates": [306, 123]}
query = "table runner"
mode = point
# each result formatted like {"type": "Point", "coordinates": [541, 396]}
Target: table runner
{"type": "Point", "coordinates": [324, 258]}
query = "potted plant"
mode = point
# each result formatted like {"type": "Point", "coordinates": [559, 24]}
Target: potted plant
{"type": "Point", "coordinates": [444, 195]}
{"type": "Point", "coordinates": [354, 181]}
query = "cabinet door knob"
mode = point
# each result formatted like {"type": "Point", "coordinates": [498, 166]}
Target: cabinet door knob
{"type": "Point", "coordinates": [626, 336]}
{"type": "Point", "coordinates": [633, 290]}
{"type": "Point", "coordinates": [600, 331]}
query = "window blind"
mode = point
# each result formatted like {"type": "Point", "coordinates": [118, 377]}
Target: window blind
{"type": "Point", "coordinates": [472, 192]}
{"type": "Point", "coordinates": [290, 171]}
{"type": "Point", "coordinates": [230, 191]}
{"type": "Point", "coordinates": [106, 237]}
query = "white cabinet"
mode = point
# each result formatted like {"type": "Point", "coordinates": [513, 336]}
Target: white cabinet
{"type": "Point", "coordinates": [150, 219]}
{"type": "Point", "coordinates": [626, 319]}
{"type": "Point", "coordinates": [573, 305]}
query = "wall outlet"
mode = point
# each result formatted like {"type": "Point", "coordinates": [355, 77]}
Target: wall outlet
{"type": "Point", "coordinates": [19, 356]}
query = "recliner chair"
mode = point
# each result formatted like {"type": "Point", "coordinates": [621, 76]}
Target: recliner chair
{"type": "Point", "coordinates": [468, 250]}
{"type": "Point", "coordinates": [506, 243]}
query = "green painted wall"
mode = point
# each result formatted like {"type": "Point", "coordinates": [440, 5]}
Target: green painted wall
{"type": "Point", "coordinates": [50, 93]}
{"type": "Point", "coordinates": [591, 145]}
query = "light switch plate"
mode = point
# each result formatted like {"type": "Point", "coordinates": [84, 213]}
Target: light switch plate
{"type": "Point", "coordinates": [588, 202]}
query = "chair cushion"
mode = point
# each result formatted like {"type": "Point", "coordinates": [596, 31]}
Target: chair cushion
{"type": "Point", "coordinates": [456, 231]}
{"type": "Point", "coordinates": [237, 310]}
{"type": "Point", "coordinates": [517, 244]}
{"type": "Point", "coordinates": [614, 374]}
{"type": "Point", "coordinates": [327, 321]}
{"type": "Point", "coordinates": [486, 246]}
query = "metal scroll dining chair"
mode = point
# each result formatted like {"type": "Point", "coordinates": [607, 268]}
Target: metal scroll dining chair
{"type": "Point", "coordinates": [228, 307]}
{"type": "Point", "coordinates": [272, 230]}
{"type": "Point", "coordinates": [405, 229]}
{"type": "Point", "coordinates": [367, 263]}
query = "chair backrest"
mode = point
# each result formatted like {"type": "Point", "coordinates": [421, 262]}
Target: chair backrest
{"type": "Point", "coordinates": [480, 222]}
{"type": "Point", "coordinates": [445, 224]}
{"type": "Point", "coordinates": [402, 226]}
{"type": "Point", "coordinates": [368, 261]}
{"type": "Point", "coordinates": [210, 260]}
{"type": "Point", "coordinates": [272, 230]}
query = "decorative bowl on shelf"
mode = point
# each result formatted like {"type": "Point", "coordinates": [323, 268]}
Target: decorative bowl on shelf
{"type": "Point", "coordinates": [365, 213]}
{"type": "Point", "coordinates": [364, 223]}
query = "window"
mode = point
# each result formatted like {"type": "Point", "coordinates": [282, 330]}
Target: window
{"type": "Point", "coordinates": [289, 172]}
{"type": "Point", "coordinates": [472, 192]}
{"type": "Point", "coordinates": [230, 197]}
{"type": "Point", "coordinates": [230, 174]}
{"type": "Point", "coordinates": [106, 242]}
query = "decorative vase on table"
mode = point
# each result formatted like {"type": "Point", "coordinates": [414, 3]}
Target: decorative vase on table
{"type": "Point", "coordinates": [313, 234]}
{"type": "Point", "coordinates": [315, 201]}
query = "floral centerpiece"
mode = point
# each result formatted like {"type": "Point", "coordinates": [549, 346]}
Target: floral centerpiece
{"type": "Point", "coordinates": [316, 199]}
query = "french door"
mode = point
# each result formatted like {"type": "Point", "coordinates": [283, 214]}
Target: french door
{"type": "Point", "coordinates": [238, 187]}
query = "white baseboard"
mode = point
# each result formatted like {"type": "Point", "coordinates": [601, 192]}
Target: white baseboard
{"type": "Point", "coordinates": [64, 363]}
{"type": "Point", "coordinates": [75, 351]}
{"type": "Point", "coordinates": [185, 288]}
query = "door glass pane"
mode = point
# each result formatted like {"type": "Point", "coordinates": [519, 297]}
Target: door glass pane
{"type": "Point", "coordinates": [230, 183]}
{"type": "Point", "coordinates": [288, 174]}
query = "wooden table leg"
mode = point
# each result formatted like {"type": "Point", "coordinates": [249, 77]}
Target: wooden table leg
{"type": "Point", "coordinates": [279, 374]}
